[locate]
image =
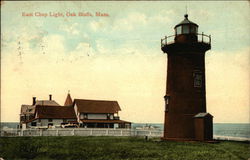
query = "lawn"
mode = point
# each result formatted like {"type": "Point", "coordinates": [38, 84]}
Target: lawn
{"type": "Point", "coordinates": [116, 148]}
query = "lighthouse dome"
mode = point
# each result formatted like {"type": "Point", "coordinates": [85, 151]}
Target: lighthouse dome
{"type": "Point", "coordinates": [186, 27]}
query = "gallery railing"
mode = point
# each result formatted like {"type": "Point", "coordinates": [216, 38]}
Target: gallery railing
{"type": "Point", "coordinates": [203, 38]}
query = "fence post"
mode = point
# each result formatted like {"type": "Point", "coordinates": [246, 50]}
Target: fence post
{"type": "Point", "coordinates": [73, 132]}
{"type": "Point", "coordinates": [41, 132]}
{"type": "Point", "coordinates": [121, 132]}
{"type": "Point", "coordinates": [107, 132]}
{"type": "Point", "coordinates": [91, 132]}
{"type": "Point", "coordinates": [57, 132]}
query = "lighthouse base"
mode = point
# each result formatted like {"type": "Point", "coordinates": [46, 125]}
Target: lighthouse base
{"type": "Point", "coordinates": [188, 140]}
{"type": "Point", "coordinates": [197, 127]}
{"type": "Point", "coordinates": [177, 139]}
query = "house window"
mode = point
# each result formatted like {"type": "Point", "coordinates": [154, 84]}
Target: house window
{"type": "Point", "coordinates": [85, 116]}
{"type": "Point", "coordinates": [50, 120]}
{"type": "Point", "coordinates": [111, 116]}
{"type": "Point", "coordinates": [167, 99]}
{"type": "Point", "coordinates": [81, 116]}
{"type": "Point", "coordinates": [50, 124]}
{"type": "Point", "coordinates": [108, 116]}
{"type": "Point", "coordinates": [33, 123]}
{"type": "Point", "coordinates": [39, 120]}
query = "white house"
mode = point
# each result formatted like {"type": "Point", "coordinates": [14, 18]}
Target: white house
{"type": "Point", "coordinates": [80, 112]}
{"type": "Point", "coordinates": [46, 116]}
{"type": "Point", "coordinates": [99, 114]}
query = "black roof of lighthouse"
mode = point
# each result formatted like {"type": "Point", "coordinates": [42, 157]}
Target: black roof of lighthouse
{"type": "Point", "coordinates": [186, 21]}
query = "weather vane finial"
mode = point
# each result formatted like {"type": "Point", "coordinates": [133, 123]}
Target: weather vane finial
{"type": "Point", "coordinates": [186, 15]}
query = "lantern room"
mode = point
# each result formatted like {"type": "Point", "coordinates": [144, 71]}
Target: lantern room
{"type": "Point", "coordinates": [186, 27]}
{"type": "Point", "coordinates": [186, 31]}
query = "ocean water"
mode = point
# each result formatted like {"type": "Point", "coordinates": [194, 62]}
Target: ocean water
{"type": "Point", "coordinates": [241, 130]}
{"type": "Point", "coordinates": [5, 125]}
{"type": "Point", "coordinates": [232, 129]}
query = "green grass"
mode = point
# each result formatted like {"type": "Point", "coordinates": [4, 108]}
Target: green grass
{"type": "Point", "coordinates": [116, 148]}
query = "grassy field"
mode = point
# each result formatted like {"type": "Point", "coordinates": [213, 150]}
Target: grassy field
{"type": "Point", "coordinates": [116, 148]}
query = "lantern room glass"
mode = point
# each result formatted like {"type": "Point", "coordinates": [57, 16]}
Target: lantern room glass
{"type": "Point", "coordinates": [178, 30]}
{"type": "Point", "coordinates": [193, 29]}
{"type": "Point", "coordinates": [185, 29]}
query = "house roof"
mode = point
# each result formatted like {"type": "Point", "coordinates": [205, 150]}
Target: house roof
{"type": "Point", "coordinates": [97, 106]}
{"type": "Point", "coordinates": [201, 115]}
{"type": "Point", "coordinates": [30, 109]}
{"type": "Point", "coordinates": [56, 112]}
{"type": "Point", "coordinates": [103, 121]}
{"type": "Point", "coordinates": [27, 109]}
{"type": "Point", "coordinates": [47, 103]}
{"type": "Point", "coordinates": [68, 101]}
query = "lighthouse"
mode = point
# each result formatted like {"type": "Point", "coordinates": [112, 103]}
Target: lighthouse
{"type": "Point", "coordinates": [186, 117]}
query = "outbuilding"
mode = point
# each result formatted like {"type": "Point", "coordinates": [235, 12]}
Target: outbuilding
{"type": "Point", "coordinates": [203, 124]}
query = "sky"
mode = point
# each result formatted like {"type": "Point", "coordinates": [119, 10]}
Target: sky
{"type": "Point", "coordinates": [118, 57]}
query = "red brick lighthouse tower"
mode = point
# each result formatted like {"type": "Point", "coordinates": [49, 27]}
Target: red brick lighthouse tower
{"type": "Point", "coordinates": [185, 99]}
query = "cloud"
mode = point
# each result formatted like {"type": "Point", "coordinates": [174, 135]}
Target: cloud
{"type": "Point", "coordinates": [85, 35]}
{"type": "Point", "coordinates": [138, 20]}
{"type": "Point", "coordinates": [70, 28]}
{"type": "Point", "coordinates": [98, 25]}
{"type": "Point", "coordinates": [163, 17]}
{"type": "Point", "coordinates": [83, 49]}
{"type": "Point", "coordinates": [130, 22]}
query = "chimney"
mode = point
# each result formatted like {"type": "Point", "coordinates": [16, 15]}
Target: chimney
{"type": "Point", "coordinates": [50, 97]}
{"type": "Point", "coordinates": [34, 101]}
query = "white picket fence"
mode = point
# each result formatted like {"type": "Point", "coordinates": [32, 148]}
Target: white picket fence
{"type": "Point", "coordinates": [80, 132]}
{"type": "Point", "coordinates": [96, 132]}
